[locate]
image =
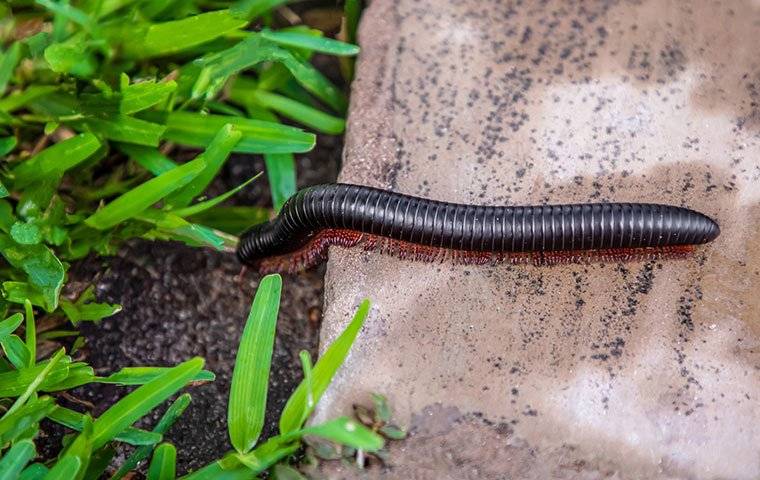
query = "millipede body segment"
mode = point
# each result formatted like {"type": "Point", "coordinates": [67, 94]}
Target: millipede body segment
{"type": "Point", "coordinates": [429, 230]}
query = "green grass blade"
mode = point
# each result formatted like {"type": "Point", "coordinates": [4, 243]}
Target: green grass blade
{"type": "Point", "coordinates": [206, 77]}
{"type": "Point", "coordinates": [138, 199]}
{"type": "Point", "coordinates": [175, 36]}
{"type": "Point", "coordinates": [57, 105]}
{"type": "Point", "coordinates": [347, 432]}
{"type": "Point", "coordinates": [250, 9]}
{"type": "Point", "coordinates": [35, 471]}
{"type": "Point", "coordinates": [76, 374]}
{"type": "Point", "coordinates": [69, 12]}
{"type": "Point", "coordinates": [299, 112]}
{"type": "Point", "coordinates": [19, 292]}
{"type": "Point", "coordinates": [217, 471]}
{"type": "Point", "coordinates": [143, 95]}
{"type": "Point", "coordinates": [211, 203]}
{"type": "Point", "coordinates": [323, 372]}
{"type": "Point", "coordinates": [281, 172]}
{"type": "Point", "coordinates": [215, 155]}
{"type": "Point", "coordinates": [35, 384]}
{"type": "Point", "coordinates": [352, 11]}
{"type": "Point", "coordinates": [311, 42]}
{"type": "Point", "coordinates": [141, 401]}
{"type": "Point", "coordinates": [291, 88]}
{"type": "Point", "coordinates": [80, 448]}
{"type": "Point", "coordinates": [10, 324]}
{"type": "Point", "coordinates": [164, 463]}
{"type": "Point", "coordinates": [7, 119]}
{"type": "Point", "coordinates": [103, 8]}
{"type": "Point", "coordinates": [7, 219]}
{"type": "Point", "coordinates": [99, 462]}
{"type": "Point", "coordinates": [31, 333]}
{"type": "Point", "coordinates": [17, 423]}
{"type": "Point", "coordinates": [316, 83]}
{"type": "Point", "coordinates": [171, 415]}
{"type": "Point", "coordinates": [196, 129]}
{"type": "Point", "coordinates": [309, 382]}
{"type": "Point", "coordinates": [72, 58]}
{"type": "Point", "coordinates": [16, 351]}
{"type": "Point", "coordinates": [15, 382]}
{"type": "Point", "coordinates": [264, 456]}
{"type": "Point", "coordinates": [142, 375]}
{"type": "Point", "coordinates": [15, 459]}
{"type": "Point", "coordinates": [249, 53]}
{"type": "Point", "coordinates": [215, 106]}
{"type": "Point", "coordinates": [64, 469]}
{"type": "Point", "coordinates": [18, 99]}
{"type": "Point", "coordinates": [8, 61]}
{"type": "Point", "coordinates": [233, 220]}
{"type": "Point", "coordinates": [86, 310]}
{"type": "Point", "coordinates": [123, 128]}
{"type": "Point", "coordinates": [164, 9]}
{"type": "Point", "coordinates": [75, 421]}
{"type": "Point", "coordinates": [148, 157]}
{"type": "Point", "coordinates": [55, 160]}
{"type": "Point", "coordinates": [172, 227]}
{"type": "Point", "coordinates": [7, 145]}
{"type": "Point", "coordinates": [250, 377]}
{"type": "Point", "coordinates": [53, 334]}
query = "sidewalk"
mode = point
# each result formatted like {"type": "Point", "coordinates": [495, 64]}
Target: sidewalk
{"type": "Point", "coordinates": [636, 370]}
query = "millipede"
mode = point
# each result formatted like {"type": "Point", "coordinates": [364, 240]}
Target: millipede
{"type": "Point", "coordinates": [428, 230]}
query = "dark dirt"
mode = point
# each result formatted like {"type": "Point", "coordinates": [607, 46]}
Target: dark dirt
{"type": "Point", "coordinates": [179, 302]}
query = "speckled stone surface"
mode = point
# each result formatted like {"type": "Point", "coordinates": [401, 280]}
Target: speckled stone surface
{"type": "Point", "coordinates": [639, 370]}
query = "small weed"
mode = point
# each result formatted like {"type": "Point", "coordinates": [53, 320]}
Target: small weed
{"type": "Point", "coordinates": [377, 419]}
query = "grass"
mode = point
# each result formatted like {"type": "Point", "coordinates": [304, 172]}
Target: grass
{"type": "Point", "coordinates": [115, 118]}
{"type": "Point", "coordinates": [97, 96]}
{"type": "Point", "coordinates": [89, 452]}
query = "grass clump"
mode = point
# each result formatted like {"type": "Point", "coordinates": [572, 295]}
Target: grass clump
{"type": "Point", "coordinates": [26, 388]}
{"type": "Point", "coordinates": [97, 96]}
{"type": "Point", "coordinates": [115, 117]}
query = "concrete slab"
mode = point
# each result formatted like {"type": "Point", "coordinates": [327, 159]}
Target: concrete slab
{"type": "Point", "coordinates": [647, 369]}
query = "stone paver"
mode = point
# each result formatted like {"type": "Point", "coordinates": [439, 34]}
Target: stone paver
{"type": "Point", "coordinates": [647, 369]}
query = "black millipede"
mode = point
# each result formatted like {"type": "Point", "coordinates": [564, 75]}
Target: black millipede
{"type": "Point", "coordinates": [429, 230]}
